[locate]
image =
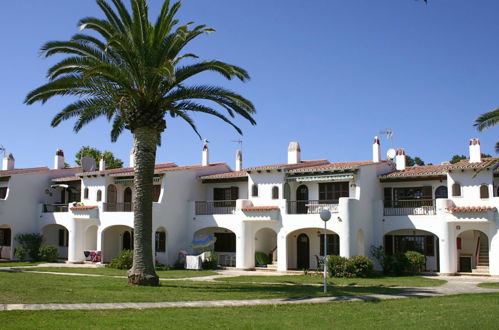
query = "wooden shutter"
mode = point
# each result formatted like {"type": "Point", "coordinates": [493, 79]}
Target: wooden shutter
{"type": "Point", "coordinates": [388, 197]}
{"type": "Point", "coordinates": [234, 193]}
{"type": "Point", "coordinates": [218, 194]}
{"type": "Point", "coordinates": [156, 191]}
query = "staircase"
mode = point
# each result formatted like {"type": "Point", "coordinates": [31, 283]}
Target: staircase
{"type": "Point", "coordinates": [482, 266]}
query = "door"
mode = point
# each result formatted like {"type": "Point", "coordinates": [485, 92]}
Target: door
{"type": "Point", "coordinates": [303, 252]}
{"type": "Point", "coordinates": [301, 199]}
{"type": "Point", "coordinates": [127, 241]}
{"type": "Point", "coordinates": [127, 200]}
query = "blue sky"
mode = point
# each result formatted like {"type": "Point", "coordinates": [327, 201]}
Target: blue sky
{"type": "Point", "coordinates": [329, 74]}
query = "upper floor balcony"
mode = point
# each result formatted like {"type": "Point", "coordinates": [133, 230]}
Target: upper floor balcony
{"type": "Point", "coordinates": [409, 207]}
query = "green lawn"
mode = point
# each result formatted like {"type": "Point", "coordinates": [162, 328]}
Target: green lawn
{"type": "Point", "coordinates": [20, 263]}
{"type": "Point", "coordinates": [121, 272]}
{"type": "Point", "coordinates": [26, 287]}
{"type": "Point", "coordinates": [494, 285]}
{"type": "Point", "coordinates": [478, 311]}
{"type": "Point", "coordinates": [414, 281]}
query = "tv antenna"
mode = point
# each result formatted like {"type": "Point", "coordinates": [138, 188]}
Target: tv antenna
{"type": "Point", "coordinates": [2, 150]}
{"type": "Point", "coordinates": [388, 132]}
{"type": "Point", "coordinates": [240, 142]}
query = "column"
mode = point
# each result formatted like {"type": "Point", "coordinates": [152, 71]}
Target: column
{"type": "Point", "coordinates": [282, 251]}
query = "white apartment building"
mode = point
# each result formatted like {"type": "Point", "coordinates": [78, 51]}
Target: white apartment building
{"type": "Point", "coordinates": [447, 212]}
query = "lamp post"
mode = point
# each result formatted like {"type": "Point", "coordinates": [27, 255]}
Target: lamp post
{"type": "Point", "coordinates": [325, 216]}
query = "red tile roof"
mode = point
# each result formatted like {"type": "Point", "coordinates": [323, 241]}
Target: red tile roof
{"type": "Point", "coordinates": [334, 166]}
{"type": "Point", "coordinates": [185, 167]}
{"type": "Point", "coordinates": [23, 171]}
{"type": "Point", "coordinates": [287, 167]}
{"type": "Point", "coordinates": [83, 208]}
{"type": "Point", "coordinates": [259, 208]}
{"type": "Point", "coordinates": [124, 170]}
{"type": "Point", "coordinates": [66, 179]}
{"type": "Point", "coordinates": [471, 209]}
{"type": "Point", "coordinates": [226, 175]}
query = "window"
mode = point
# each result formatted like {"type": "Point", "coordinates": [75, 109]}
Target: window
{"type": "Point", "coordinates": [111, 194]}
{"type": "Point", "coordinates": [441, 192]}
{"type": "Point", "coordinates": [456, 190]}
{"type": "Point", "coordinates": [275, 192]}
{"type": "Point", "coordinates": [228, 195]}
{"type": "Point", "coordinates": [63, 237]}
{"type": "Point", "coordinates": [254, 190]}
{"type": "Point", "coordinates": [424, 244]}
{"type": "Point", "coordinates": [85, 193]}
{"type": "Point", "coordinates": [226, 242]}
{"type": "Point", "coordinates": [333, 191]}
{"type": "Point", "coordinates": [156, 191]}
{"type": "Point", "coordinates": [3, 192]}
{"type": "Point", "coordinates": [484, 191]}
{"type": "Point", "coordinates": [388, 197]}
{"type": "Point", "coordinates": [160, 241]}
{"type": "Point", "coordinates": [99, 195]}
{"type": "Point", "coordinates": [5, 236]}
{"type": "Point", "coordinates": [333, 244]}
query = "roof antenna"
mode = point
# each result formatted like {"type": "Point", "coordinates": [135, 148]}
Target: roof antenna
{"type": "Point", "coordinates": [240, 144]}
{"type": "Point", "coordinates": [2, 150]}
{"type": "Point", "coordinates": [389, 135]}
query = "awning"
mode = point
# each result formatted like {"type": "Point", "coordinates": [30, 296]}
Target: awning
{"type": "Point", "coordinates": [130, 180]}
{"type": "Point", "coordinates": [325, 177]}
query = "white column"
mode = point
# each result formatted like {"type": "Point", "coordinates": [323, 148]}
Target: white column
{"type": "Point", "coordinates": [76, 241]}
{"type": "Point", "coordinates": [282, 251]}
{"type": "Point", "coordinates": [494, 253]}
{"type": "Point", "coordinates": [344, 219]}
{"type": "Point", "coordinates": [241, 247]}
{"type": "Point", "coordinates": [448, 250]}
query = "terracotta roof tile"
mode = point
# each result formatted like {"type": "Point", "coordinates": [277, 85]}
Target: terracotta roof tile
{"type": "Point", "coordinates": [83, 208]}
{"type": "Point", "coordinates": [233, 174]}
{"type": "Point", "coordinates": [471, 209]}
{"type": "Point", "coordinates": [259, 208]}
{"type": "Point", "coordinates": [23, 171]}
{"type": "Point", "coordinates": [125, 170]}
{"type": "Point", "coordinates": [334, 166]}
{"type": "Point", "coordinates": [287, 167]}
{"type": "Point", "coordinates": [186, 167]}
{"type": "Point", "coordinates": [66, 179]}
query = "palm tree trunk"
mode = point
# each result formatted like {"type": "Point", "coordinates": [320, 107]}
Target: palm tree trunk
{"type": "Point", "coordinates": [142, 271]}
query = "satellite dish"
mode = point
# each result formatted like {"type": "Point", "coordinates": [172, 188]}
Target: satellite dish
{"type": "Point", "coordinates": [88, 164]}
{"type": "Point", "coordinates": [391, 153]}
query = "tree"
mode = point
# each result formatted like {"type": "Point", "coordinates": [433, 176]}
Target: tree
{"type": "Point", "coordinates": [91, 152]}
{"type": "Point", "coordinates": [409, 161]}
{"type": "Point", "coordinates": [488, 120]}
{"type": "Point", "coordinates": [135, 73]}
{"type": "Point", "coordinates": [458, 158]}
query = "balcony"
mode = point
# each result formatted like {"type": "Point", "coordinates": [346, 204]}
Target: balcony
{"type": "Point", "coordinates": [118, 207]}
{"type": "Point", "coordinates": [312, 206]}
{"type": "Point", "coordinates": [410, 207]}
{"type": "Point", "coordinates": [215, 207]}
{"type": "Point", "coordinates": [55, 208]}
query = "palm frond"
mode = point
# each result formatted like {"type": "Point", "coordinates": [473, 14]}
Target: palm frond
{"type": "Point", "coordinates": [487, 120]}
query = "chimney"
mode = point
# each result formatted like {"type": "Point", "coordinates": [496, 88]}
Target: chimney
{"type": "Point", "coordinates": [475, 151]}
{"type": "Point", "coordinates": [206, 155]}
{"type": "Point", "coordinates": [294, 153]}
{"type": "Point", "coordinates": [239, 160]}
{"type": "Point", "coordinates": [8, 162]}
{"type": "Point", "coordinates": [102, 164]}
{"type": "Point", "coordinates": [59, 159]}
{"type": "Point", "coordinates": [376, 150]}
{"type": "Point", "coordinates": [132, 158]}
{"type": "Point", "coordinates": [400, 160]}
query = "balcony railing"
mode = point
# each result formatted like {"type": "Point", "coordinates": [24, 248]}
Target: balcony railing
{"type": "Point", "coordinates": [312, 206]}
{"type": "Point", "coordinates": [410, 207]}
{"type": "Point", "coordinates": [215, 207]}
{"type": "Point", "coordinates": [51, 208]}
{"type": "Point", "coordinates": [118, 207]}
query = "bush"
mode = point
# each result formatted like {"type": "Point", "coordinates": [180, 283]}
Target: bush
{"type": "Point", "coordinates": [261, 258]}
{"type": "Point", "coordinates": [337, 266]}
{"type": "Point", "coordinates": [48, 253]}
{"type": "Point", "coordinates": [21, 253]}
{"type": "Point", "coordinates": [124, 260]}
{"type": "Point", "coordinates": [211, 262]}
{"type": "Point", "coordinates": [31, 243]}
{"type": "Point", "coordinates": [415, 262]}
{"type": "Point", "coordinates": [360, 266]}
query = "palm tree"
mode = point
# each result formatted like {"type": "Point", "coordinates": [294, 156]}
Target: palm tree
{"type": "Point", "coordinates": [487, 120]}
{"type": "Point", "coordinates": [131, 74]}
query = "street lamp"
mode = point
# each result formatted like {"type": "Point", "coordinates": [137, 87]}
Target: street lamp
{"type": "Point", "coordinates": [325, 216]}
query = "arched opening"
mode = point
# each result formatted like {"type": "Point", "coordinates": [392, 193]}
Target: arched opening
{"type": "Point", "coordinates": [85, 193]}
{"type": "Point", "coordinates": [116, 239]}
{"type": "Point", "coordinates": [127, 199]}
{"type": "Point", "coordinates": [99, 195]}
{"type": "Point", "coordinates": [160, 241]}
{"type": "Point", "coordinates": [300, 257]}
{"type": "Point", "coordinates": [5, 242]}
{"type": "Point", "coordinates": [361, 250]}
{"type": "Point", "coordinates": [301, 199]}
{"type": "Point", "coordinates": [58, 236]}
{"type": "Point", "coordinates": [473, 251]}
{"type": "Point", "coordinates": [266, 243]}
{"type": "Point", "coordinates": [456, 190]}
{"type": "Point", "coordinates": [424, 242]}
{"type": "Point", "coordinates": [484, 191]}
{"type": "Point", "coordinates": [275, 192]}
{"type": "Point", "coordinates": [254, 190]}
{"type": "Point", "coordinates": [111, 198]}
{"type": "Point", "coordinates": [224, 245]}
{"type": "Point", "coordinates": [441, 192]}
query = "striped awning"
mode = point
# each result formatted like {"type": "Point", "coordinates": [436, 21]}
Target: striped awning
{"type": "Point", "coordinates": [325, 177]}
{"type": "Point", "coordinates": [130, 180]}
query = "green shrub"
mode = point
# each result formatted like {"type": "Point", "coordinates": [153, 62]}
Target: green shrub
{"type": "Point", "coordinates": [21, 253]}
{"type": "Point", "coordinates": [360, 266]}
{"type": "Point", "coordinates": [48, 253]}
{"type": "Point", "coordinates": [261, 258]}
{"type": "Point", "coordinates": [337, 266]}
{"type": "Point", "coordinates": [211, 262]}
{"type": "Point", "coordinates": [31, 243]}
{"type": "Point", "coordinates": [124, 260]}
{"type": "Point", "coordinates": [415, 262]}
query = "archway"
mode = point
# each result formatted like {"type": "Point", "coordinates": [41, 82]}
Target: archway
{"type": "Point", "coordinates": [441, 192]}
{"type": "Point", "coordinates": [266, 242]}
{"type": "Point", "coordinates": [5, 242]}
{"type": "Point", "coordinates": [116, 239]}
{"type": "Point", "coordinates": [361, 250]}
{"type": "Point", "coordinates": [473, 251]}
{"type": "Point", "coordinates": [422, 241]}
{"type": "Point", "coordinates": [297, 247]}
{"type": "Point", "coordinates": [224, 246]}
{"type": "Point", "coordinates": [111, 198]}
{"type": "Point", "coordinates": [58, 236]}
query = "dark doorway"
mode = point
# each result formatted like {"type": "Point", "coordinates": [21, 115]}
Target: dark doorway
{"type": "Point", "coordinates": [127, 240]}
{"type": "Point", "coordinates": [301, 199]}
{"type": "Point", "coordinates": [302, 252]}
{"type": "Point", "coordinates": [127, 200]}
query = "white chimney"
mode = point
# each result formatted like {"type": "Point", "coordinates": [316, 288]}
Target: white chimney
{"type": "Point", "coordinates": [376, 150]}
{"type": "Point", "coordinates": [475, 151]}
{"type": "Point", "coordinates": [294, 153]}
{"type": "Point", "coordinates": [239, 160]}
{"type": "Point", "coordinates": [206, 156]}
{"type": "Point", "coordinates": [400, 160]}
{"type": "Point", "coordinates": [102, 164]}
{"type": "Point", "coordinates": [132, 158]}
{"type": "Point", "coordinates": [59, 159]}
{"type": "Point", "coordinates": [8, 162]}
